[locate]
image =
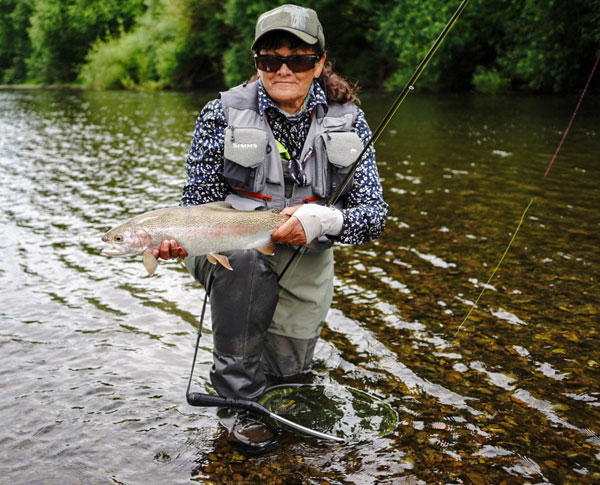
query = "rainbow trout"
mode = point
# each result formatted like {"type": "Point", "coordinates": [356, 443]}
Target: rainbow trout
{"type": "Point", "coordinates": [205, 229]}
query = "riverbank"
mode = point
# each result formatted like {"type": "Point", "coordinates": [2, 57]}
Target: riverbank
{"type": "Point", "coordinates": [43, 86]}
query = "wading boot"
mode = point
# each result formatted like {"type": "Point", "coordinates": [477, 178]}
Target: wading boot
{"type": "Point", "coordinates": [247, 432]}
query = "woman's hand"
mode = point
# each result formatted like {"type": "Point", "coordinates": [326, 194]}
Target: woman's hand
{"type": "Point", "coordinates": [291, 231]}
{"type": "Point", "coordinates": [169, 249]}
{"type": "Point", "coordinates": [309, 222]}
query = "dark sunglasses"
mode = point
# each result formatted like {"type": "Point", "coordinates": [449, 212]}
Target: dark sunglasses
{"type": "Point", "coordinates": [271, 63]}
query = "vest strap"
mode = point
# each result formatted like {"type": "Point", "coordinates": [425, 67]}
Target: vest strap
{"type": "Point", "coordinates": [255, 195]}
{"type": "Point", "coordinates": [308, 200]}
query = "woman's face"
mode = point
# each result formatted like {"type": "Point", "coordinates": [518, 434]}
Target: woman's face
{"type": "Point", "coordinates": [288, 89]}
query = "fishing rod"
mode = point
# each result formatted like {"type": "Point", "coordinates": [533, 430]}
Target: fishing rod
{"type": "Point", "coordinates": [410, 86]}
{"type": "Point", "coordinates": [209, 400]}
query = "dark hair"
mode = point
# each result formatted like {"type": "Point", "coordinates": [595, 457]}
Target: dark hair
{"type": "Point", "coordinates": [337, 89]}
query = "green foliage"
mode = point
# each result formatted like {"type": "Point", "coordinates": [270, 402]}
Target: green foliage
{"type": "Point", "coordinates": [349, 27]}
{"type": "Point", "coordinates": [241, 16]}
{"type": "Point", "coordinates": [139, 58]}
{"type": "Point", "coordinates": [517, 44]}
{"type": "Point", "coordinates": [490, 81]}
{"type": "Point", "coordinates": [410, 27]}
{"type": "Point", "coordinates": [174, 44]}
{"type": "Point", "coordinates": [62, 32]}
{"type": "Point", "coordinates": [14, 41]}
{"type": "Point", "coordinates": [552, 45]}
{"type": "Point", "coordinates": [202, 38]}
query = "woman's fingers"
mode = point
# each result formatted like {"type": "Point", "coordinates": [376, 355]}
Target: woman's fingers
{"type": "Point", "coordinates": [169, 249]}
{"type": "Point", "coordinates": [291, 232]}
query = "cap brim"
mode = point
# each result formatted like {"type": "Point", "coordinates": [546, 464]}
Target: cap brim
{"type": "Point", "coordinates": [303, 36]}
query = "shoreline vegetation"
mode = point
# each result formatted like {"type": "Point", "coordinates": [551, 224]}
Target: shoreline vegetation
{"type": "Point", "coordinates": [495, 47]}
{"type": "Point", "coordinates": [44, 86]}
{"type": "Point", "coordinates": [145, 89]}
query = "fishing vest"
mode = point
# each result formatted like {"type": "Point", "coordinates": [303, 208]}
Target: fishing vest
{"type": "Point", "coordinates": [252, 161]}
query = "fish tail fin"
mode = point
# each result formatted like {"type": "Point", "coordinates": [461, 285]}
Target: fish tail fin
{"type": "Point", "coordinates": [150, 262]}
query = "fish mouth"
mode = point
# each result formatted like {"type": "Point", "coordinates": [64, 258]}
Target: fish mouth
{"type": "Point", "coordinates": [113, 251]}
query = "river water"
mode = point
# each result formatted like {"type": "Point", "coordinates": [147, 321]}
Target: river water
{"type": "Point", "coordinates": [95, 354]}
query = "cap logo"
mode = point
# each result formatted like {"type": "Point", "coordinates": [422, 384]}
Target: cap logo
{"type": "Point", "coordinates": [298, 17]}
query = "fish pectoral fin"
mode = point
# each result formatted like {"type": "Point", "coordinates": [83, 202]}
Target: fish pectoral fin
{"type": "Point", "coordinates": [150, 262]}
{"type": "Point", "coordinates": [211, 259]}
{"type": "Point", "coordinates": [223, 261]}
{"type": "Point", "coordinates": [268, 248]}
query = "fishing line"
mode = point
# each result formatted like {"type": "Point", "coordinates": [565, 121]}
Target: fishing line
{"type": "Point", "coordinates": [496, 268]}
{"type": "Point", "coordinates": [199, 335]}
{"type": "Point", "coordinates": [584, 92]}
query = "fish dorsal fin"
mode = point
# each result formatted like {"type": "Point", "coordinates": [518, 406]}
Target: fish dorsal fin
{"type": "Point", "coordinates": [221, 204]}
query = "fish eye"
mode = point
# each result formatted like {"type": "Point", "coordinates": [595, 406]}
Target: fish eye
{"type": "Point", "coordinates": [118, 238]}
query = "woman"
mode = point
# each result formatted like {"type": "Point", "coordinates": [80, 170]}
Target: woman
{"type": "Point", "coordinates": [283, 140]}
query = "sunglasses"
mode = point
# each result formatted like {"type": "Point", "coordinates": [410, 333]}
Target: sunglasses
{"type": "Point", "coordinates": [271, 63]}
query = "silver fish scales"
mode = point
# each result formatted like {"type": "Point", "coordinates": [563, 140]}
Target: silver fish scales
{"type": "Point", "coordinates": [208, 229]}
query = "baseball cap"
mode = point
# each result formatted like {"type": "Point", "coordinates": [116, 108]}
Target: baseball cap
{"type": "Point", "coordinates": [300, 21]}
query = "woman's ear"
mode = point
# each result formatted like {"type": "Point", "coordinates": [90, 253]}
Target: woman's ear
{"type": "Point", "coordinates": [320, 65]}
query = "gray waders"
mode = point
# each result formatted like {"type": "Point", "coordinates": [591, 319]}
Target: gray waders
{"type": "Point", "coordinates": [262, 327]}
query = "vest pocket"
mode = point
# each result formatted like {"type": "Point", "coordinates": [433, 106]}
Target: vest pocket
{"type": "Point", "coordinates": [244, 157]}
{"type": "Point", "coordinates": [340, 150]}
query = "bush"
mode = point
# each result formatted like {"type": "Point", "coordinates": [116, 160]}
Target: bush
{"type": "Point", "coordinates": [176, 43]}
{"type": "Point", "coordinates": [141, 59]}
{"type": "Point", "coordinates": [62, 32]}
{"type": "Point", "coordinates": [489, 81]}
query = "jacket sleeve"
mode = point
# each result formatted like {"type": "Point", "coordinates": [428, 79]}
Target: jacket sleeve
{"type": "Point", "coordinates": [364, 208]}
{"type": "Point", "coordinates": [204, 163]}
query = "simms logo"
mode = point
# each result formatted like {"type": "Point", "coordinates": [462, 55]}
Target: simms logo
{"type": "Point", "coordinates": [244, 145]}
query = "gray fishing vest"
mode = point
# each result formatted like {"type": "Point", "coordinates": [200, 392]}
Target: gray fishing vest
{"type": "Point", "coordinates": [252, 162]}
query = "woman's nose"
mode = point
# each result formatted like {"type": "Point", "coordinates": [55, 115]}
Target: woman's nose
{"type": "Point", "coordinates": [284, 70]}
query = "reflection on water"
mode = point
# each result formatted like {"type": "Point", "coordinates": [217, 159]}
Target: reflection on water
{"type": "Point", "coordinates": [95, 354]}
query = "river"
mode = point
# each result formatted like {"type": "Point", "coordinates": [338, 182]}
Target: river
{"type": "Point", "coordinates": [95, 354]}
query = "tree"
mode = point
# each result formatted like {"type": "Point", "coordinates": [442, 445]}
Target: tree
{"type": "Point", "coordinates": [62, 32]}
{"type": "Point", "coordinates": [504, 44]}
{"type": "Point", "coordinates": [175, 43]}
{"type": "Point", "coordinates": [15, 46]}
{"type": "Point", "coordinates": [551, 46]}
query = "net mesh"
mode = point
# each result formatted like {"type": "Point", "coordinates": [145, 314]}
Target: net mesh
{"type": "Point", "coordinates": [344, 412]}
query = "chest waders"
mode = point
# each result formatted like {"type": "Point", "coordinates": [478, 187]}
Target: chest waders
{"type": "Point", "coordinates": [262, 326]}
